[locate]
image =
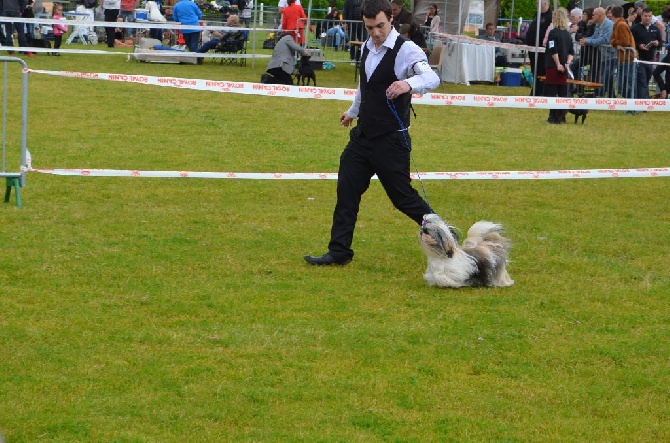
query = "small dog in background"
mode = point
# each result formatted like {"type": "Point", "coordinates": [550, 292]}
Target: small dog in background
{"type": "Point", "coordinates": [38, 43]}
{"type": "Point", "coordinates": [305, 72]}
{"type": "Point", "coordinates": [480, 261]}
{"type": "Point", "coordinates": [579, 113]}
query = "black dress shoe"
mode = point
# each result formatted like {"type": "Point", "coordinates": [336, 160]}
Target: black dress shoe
{"type": "Point", "coordinates": [325, 260]}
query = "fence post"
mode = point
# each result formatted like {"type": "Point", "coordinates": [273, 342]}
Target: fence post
{"type": "Point", "coordinates": [16, 179]}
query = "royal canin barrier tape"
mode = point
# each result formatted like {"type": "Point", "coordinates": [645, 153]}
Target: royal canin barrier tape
{"type": "Point", "coordinates": [436, 99]}
{"type": "Point", "coordinates": [473, 175]}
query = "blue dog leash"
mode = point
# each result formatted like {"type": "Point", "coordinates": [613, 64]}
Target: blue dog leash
{"type": "Point", "coordinates": [403, 129]}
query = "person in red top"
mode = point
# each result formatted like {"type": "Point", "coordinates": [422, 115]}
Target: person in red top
{"type": "Point", "coordinates": [127, 13]}
{"type": "Point", "coordinates": [290, 21]}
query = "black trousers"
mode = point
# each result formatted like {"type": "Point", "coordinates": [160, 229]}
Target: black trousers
{"type": "Point", "coordinates": [110, 16]}
{"type": "Point", "coordinates": [387, 156]}
{"type": "Point", "coordinates": [658, 72]}
{"type": "Point", "coordinates": [281, 77]}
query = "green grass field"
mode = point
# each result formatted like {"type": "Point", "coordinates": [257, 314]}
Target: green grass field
{"type": "Point", "coordinates": [181, 310]}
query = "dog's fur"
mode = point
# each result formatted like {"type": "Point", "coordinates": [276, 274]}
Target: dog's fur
{"type": "Point", "coordinates": [579, 113]}
{"type": "Point", "coordinates": [480, 261]}
{"type": "Point", "coordinates": [39, 43]}
{"type": "Point", "coordinates": [305, 71]}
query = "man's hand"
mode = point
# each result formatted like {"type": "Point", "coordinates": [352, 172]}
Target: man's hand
{"type": "Point", "coordinates": [345, 120]}
{"type": "Point", "coordinates": [397, 89]}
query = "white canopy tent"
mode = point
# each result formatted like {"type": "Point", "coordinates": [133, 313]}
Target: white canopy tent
{"type": "Point", "coordinates": [454, 13]}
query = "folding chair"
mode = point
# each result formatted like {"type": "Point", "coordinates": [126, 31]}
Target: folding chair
{"type": "Point", "coordinates": [233, 50]}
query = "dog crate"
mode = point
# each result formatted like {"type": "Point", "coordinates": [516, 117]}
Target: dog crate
{"type": "Point", "coordinates": [316, 58]}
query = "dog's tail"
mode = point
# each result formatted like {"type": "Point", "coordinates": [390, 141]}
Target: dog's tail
{"type": "Point", "coordinates": [485, 231]}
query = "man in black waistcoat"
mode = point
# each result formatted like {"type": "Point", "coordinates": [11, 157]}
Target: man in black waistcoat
{"type": "Point", "coordinates": [392, 67]}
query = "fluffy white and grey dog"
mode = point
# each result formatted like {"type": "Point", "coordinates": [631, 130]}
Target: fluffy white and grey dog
{"type": "Point", "coordinates": [480, 261]}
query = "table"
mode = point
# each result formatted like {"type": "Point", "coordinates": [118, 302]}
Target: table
{"type": "Point", "coordinates": [80, 31]}
{"type": "Point", "coordinates": [357, 62]}
{"type": "Point", "coordinates": [465, 62]}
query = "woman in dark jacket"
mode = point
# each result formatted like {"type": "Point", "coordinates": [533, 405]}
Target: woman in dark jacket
{"type": "Point", "coordinates": [558, 57]}
{"type": "Point", "coordinates": [531, 35]}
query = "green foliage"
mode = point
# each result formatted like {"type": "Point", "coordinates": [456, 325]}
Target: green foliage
{"type": "Point", "coordinates": [172, 310]}
{"type": "Point", "coordinates": [527, 9]}
{"type": "Point", "coordinates": [522, 8]}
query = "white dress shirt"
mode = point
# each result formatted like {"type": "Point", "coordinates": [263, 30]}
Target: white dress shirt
{"type": "Point", "coordinates": [411, 65]}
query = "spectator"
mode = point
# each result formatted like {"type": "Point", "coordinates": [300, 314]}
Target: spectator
{"type": "Point", "coordinates": [14, 8]}
{"type": "Point", "coordinates": [351, 13]}
{"type": "Point", "coordinates": [59, 30]}
{"type": "Point", "coordinates": [632, 16]}
{"type": "Point", "coordinates": [413, 33]}
{"type": "Point", "coordinates": [603, 58]}
{"type": "Point", "coordinates": [127, 13]}
{"type": "Point", "coordinates": [293, 19]}
{"type": "Point", "coordinates": [284, 3]}
{"type": "Point", "coordinates": [647, 40]}
{"type": "Point", "coordinates": [233, 22]}
{"type": "Point", "coordinates": [558, 57]}
{"type": "Point", "coordinates": [576, 25]}
{"type": "Point", "coordinates": [187, 12]}
{"type": "Point", "coordinates": [622, 40]}
{"type": "Point", "coordinates": [400, 14]}
{"type": "Point", "coordinates": [245, 15]}
{"type": "Point", "coordinates": [155, 15]}
{"type": "Point", "coordinates": [432, 20]}
{"type": "Point", "coordinates": [583, 29]}
{"type": "Point", "coordinates": [111, 8]}
{"type": "Point", "coordinates": [30, 27]}
{"type": "Point", "coordinates": [333, 28]}
{"type": "Point", "coordinates": [537, 62]}
{"type": "Point", "coordinates": [664, 85]}
{"type": "Point", "coordinates": [490, 35]}
{"type": "Point", "coordinates": [282, 63]}
{"type": "Point", "coordinates": [639, 7]}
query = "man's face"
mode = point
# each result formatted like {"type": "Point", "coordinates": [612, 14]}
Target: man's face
{"type": "Point", "coordinates": [490, 31]}
{"type": "Point", "coordinates": [395, 9]}
{"type": "Point", "coordinates": [544, 7]}
{"type": "Point", "coordinates": [646, 18]}
{"type": "Point", "coordinates": [598, 16]}
{"type": "Point", "coordinates": [378, 28]}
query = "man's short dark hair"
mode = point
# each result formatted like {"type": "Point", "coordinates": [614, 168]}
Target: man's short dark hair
{"type": "Point", "coordinates": [647, 11]}
{"type": "Point", "coordinates": [617, 11]}
{"type": "Point", "coordinates": [370, 8]}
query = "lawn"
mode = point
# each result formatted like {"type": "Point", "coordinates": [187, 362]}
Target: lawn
{"type": "Point", "coordinates": [154, 310]}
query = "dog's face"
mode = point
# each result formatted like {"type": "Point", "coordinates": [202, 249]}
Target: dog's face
{"type": "Point", "coordinates": [305, 59]}
{"type": "Point", "coordinates": [437, 237]}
